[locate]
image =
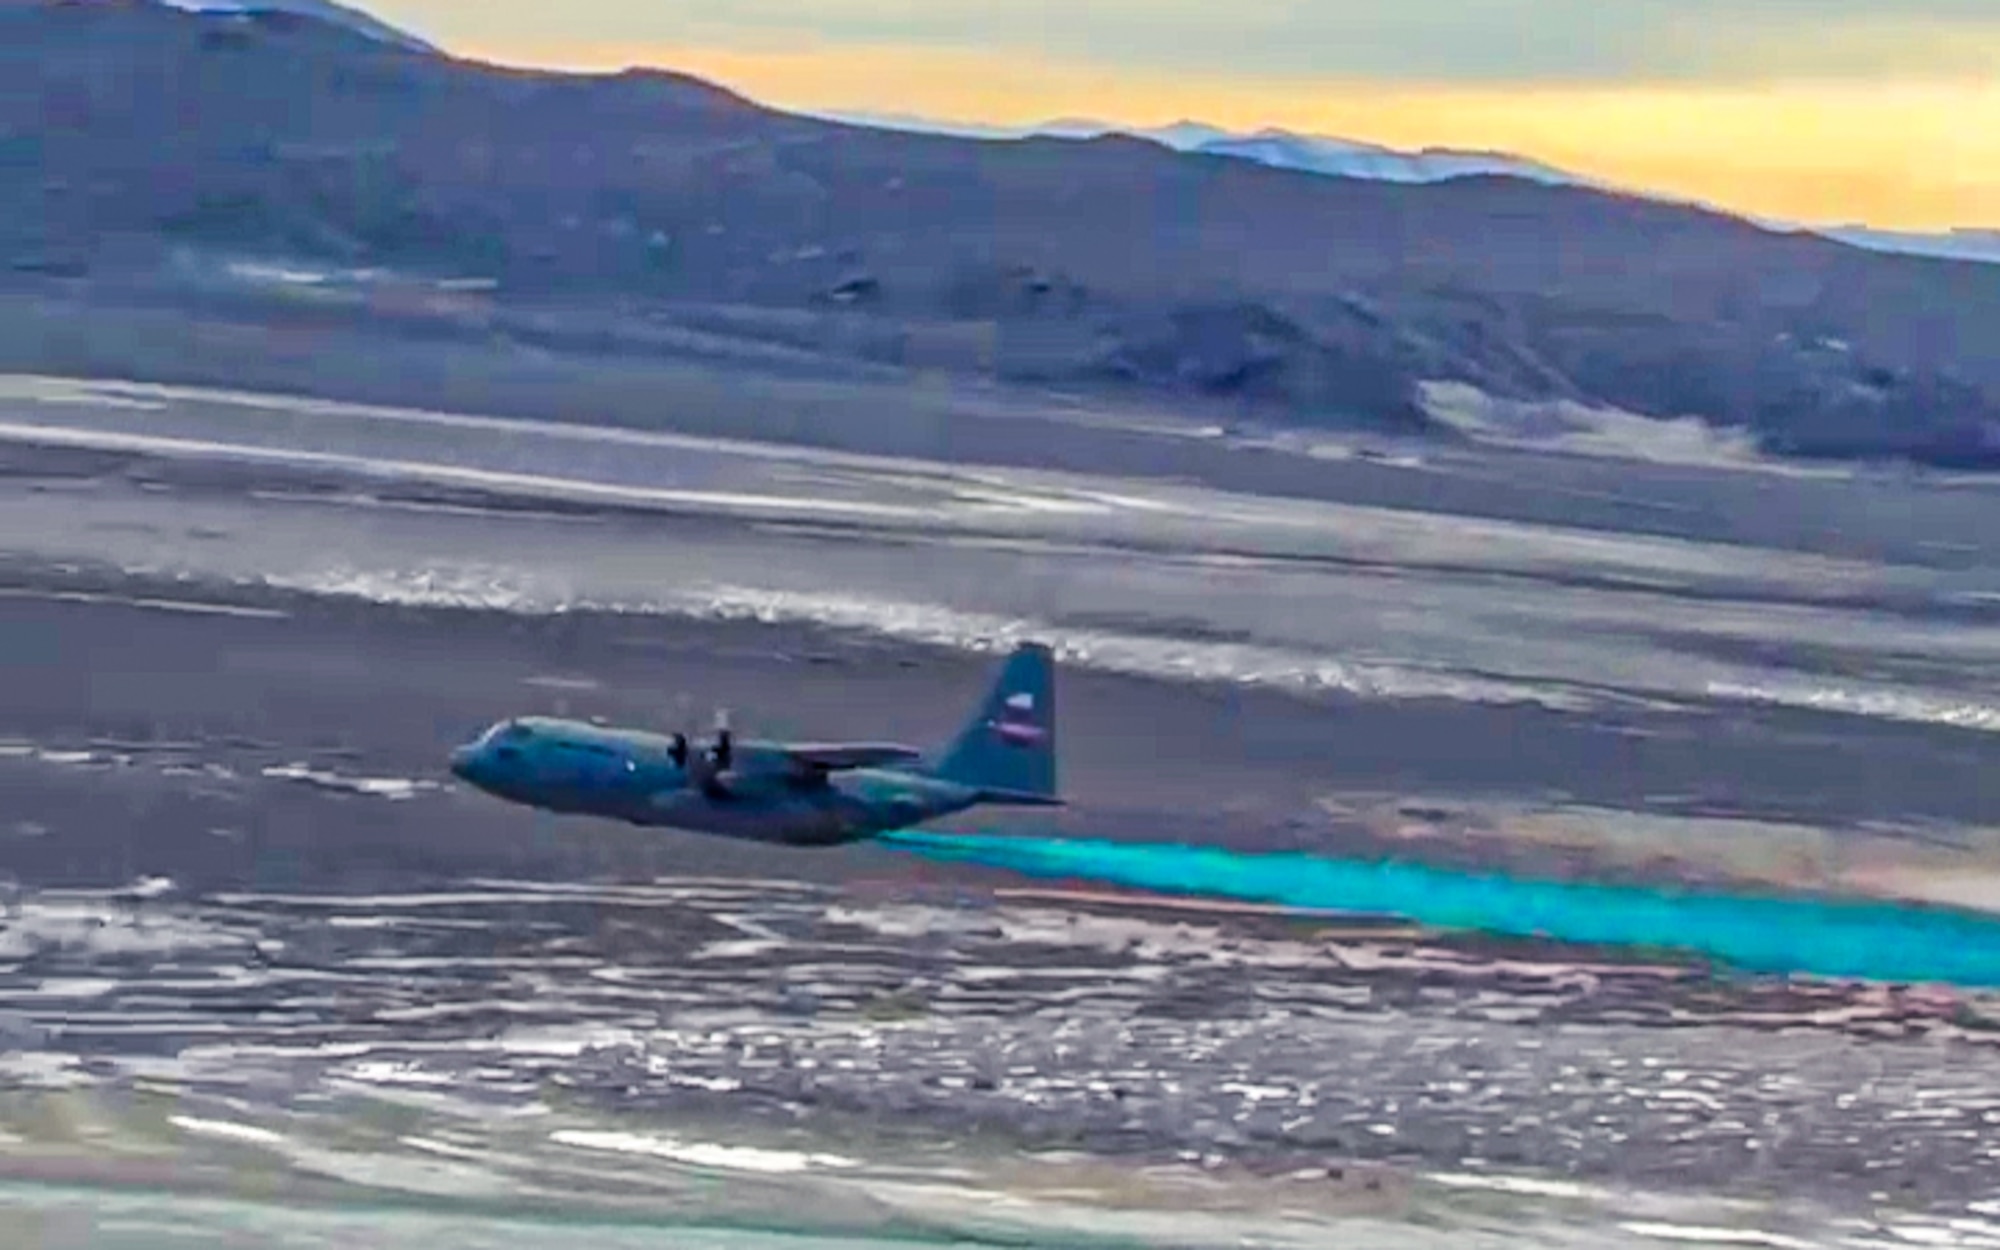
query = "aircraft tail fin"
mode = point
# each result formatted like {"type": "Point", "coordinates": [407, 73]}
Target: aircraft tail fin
{"type": "Point", "coordinates": [1007, 750]}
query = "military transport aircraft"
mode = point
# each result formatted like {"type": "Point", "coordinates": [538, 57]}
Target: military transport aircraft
{"type": "Point", "coordinates": [800, 794]}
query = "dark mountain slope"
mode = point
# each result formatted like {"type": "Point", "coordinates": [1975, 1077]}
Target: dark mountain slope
{"type": "Point", "coordinates": [1113, 262]}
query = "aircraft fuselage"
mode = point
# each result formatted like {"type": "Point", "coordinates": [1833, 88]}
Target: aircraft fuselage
{"type": "Point", "coordinates": [577, 768]}
{"type": "Point", "coordinates": [797, 793]}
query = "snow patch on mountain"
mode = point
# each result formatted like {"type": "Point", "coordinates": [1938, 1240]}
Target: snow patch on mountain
{"type": "Point", "coordinates": [1976, 245]}
{"type": "Point", "coordinates": [324, 10]}
{"type": "Point", "coordinates": [1348, 158]}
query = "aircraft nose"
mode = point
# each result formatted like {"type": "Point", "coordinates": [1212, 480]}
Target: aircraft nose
{"type": "Point", "coordinates": [462, 760]}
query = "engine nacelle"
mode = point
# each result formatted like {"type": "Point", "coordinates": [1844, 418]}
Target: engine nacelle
{"type": "Point", "coordinates": [708, 768]}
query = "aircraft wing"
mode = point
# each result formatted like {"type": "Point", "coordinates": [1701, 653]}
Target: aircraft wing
{"type": "Point", "coordinates": [835, 756]}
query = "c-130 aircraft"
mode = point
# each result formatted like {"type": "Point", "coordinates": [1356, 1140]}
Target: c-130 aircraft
{"type": "Point", "coordinates": [796, 794]}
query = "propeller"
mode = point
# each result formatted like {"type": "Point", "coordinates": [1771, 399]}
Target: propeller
{"type": "Point", "coordinates": [724, 743]}
{"type": "Point", "coordinates": [707, 764]}
{"type": "Point", "coordinates": [677, 748]}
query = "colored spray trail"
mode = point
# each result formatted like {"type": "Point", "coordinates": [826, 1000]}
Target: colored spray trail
{"type": "Point", "coordinates": [1876, 941]}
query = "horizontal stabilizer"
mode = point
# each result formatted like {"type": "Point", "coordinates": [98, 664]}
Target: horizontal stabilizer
{"type": "Point", "coordinates": [1020, 798]}
{"type": "Point", "coordinates": [835, 756]}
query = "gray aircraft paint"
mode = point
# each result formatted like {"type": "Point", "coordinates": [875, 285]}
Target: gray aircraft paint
{"type": "Point", "coordinates": [803, 794]}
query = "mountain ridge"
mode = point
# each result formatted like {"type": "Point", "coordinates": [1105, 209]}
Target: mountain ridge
{"type": "Point", "coordinates": [1098, 265]}
{"type": "Point", "coordinates": [324, 10]}
{"type": "Point", "coordinates": [1356, 158]}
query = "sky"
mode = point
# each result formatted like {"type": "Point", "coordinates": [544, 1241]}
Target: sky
{"type": "Point", "coordinates": [1884, 112]}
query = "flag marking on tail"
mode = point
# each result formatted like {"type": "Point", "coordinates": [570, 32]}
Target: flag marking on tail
{"type": "Point", "coordinates": [1016, 724]}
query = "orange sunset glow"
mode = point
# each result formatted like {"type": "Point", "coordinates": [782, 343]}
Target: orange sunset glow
{"type": "Point", "coordinates": [1882, 120]}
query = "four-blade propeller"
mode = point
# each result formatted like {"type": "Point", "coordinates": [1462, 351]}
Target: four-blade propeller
{"type": "Point", "coordinates": [706, 764]}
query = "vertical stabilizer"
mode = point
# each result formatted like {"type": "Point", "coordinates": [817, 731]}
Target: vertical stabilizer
{"type": "Point", "coordinates": [1007, 751]}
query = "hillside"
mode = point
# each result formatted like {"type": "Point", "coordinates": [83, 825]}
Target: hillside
{"type": "Point", "coordinates": [132, 129]}
{"type": "Point", "coordinates": [1349, 158]}
{"type": "Point", "coordinates": [326, 10]}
